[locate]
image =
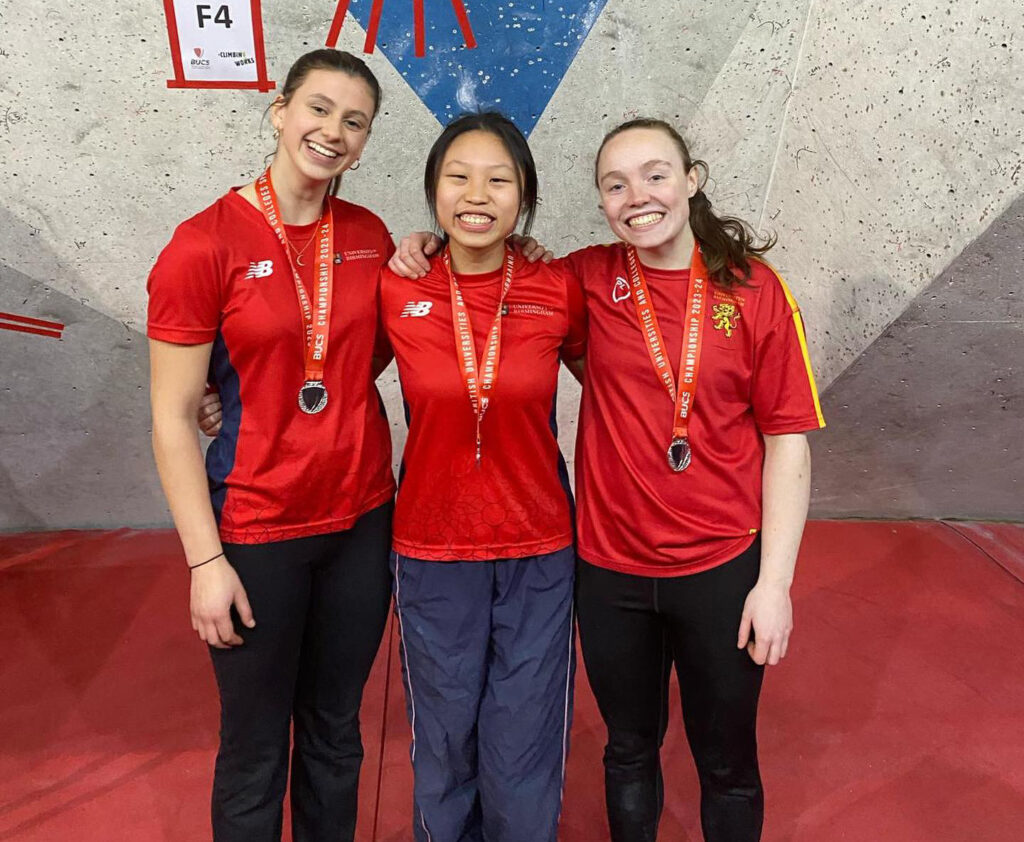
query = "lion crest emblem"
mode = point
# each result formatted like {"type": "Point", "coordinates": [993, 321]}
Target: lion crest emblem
{"type": "Point", "coordinates": [725, 317]}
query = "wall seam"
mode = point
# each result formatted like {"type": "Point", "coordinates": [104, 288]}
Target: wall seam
{"type": "Point", "coordinates": [785, 116]}
{"type": "Point", "coordinates": [983, 551]}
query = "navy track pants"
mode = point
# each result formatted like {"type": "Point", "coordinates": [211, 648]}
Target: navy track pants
{"type": "Point", "coordinates": [488, 661]}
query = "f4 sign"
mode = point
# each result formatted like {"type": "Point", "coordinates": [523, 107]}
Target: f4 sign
{"type": "Point", "coordinates": [217, 44]}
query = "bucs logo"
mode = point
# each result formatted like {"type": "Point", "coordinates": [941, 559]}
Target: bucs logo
{"type": "Point", "coordinates": [725, 317]}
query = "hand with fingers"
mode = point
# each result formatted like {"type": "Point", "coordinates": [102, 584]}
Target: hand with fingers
{"type": "Point", "coordinates": [209, 416]}
{"type": "Point", "coordinates": [767, 623]}
{"type": "Point", "coordinates": [412, 257]}
{"type": "Point", "coordinates": [215, 589]}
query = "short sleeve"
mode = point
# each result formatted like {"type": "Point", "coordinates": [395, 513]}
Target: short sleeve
{"type": "Point", "coordinates": [572, 264]}
{"type": "Point", "coordinates": [387, 247]}
{"type": "Point", "coordinates": [575, 343]}
{"type": "Point", "coordinates": [784, 396]}
{"type": "Point", "coordinates": [185, 291]}
{"type": "Point", "coordinates": [382, 349]}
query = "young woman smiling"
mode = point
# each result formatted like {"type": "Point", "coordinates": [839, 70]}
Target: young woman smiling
{"type": "Point", "coordinates": [286, 531]}
{"type": "Point", "coordinates": [692, 479]}
{"type": "Point", "coordinates": [483, 558]}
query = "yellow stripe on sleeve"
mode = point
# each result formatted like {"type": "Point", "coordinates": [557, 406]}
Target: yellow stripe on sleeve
{"type": "Point", "coordinates": [799, 323]}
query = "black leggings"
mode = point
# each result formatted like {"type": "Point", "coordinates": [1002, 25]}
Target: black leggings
{"type": "Point", "coordinates": [632, 629]}
{"type": "Point", "coordinates": [320, 605]}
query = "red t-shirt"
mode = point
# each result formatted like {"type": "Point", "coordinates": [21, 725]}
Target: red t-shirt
{"type": "Point", "coordinates": [275, 472]}
{"type": "Point", "coordinates": [634, 514]}
{"type": "Point", "coordinates": [516, 503]}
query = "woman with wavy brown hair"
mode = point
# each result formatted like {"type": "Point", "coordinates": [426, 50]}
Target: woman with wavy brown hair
{"type": "Point", "coordinates": [692, 480]}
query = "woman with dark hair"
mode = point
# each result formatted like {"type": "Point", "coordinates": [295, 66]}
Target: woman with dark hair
{"type": "Point", "coordinates": [482, 551]}
{"type": "Point", "coordinates": [692, 479]}
{"type": "Point", "coordinates": [286, 531]}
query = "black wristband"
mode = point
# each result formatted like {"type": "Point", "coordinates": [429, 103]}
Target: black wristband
{"type": "Point", "coordinates": [194, 566]}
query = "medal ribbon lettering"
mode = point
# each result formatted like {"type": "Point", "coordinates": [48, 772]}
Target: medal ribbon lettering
{"type": "Point", "coordinates": [480, 377]}
{"type": "Point", "coordinates": [316, 316]}
{"type": "Point", "coordinates": [689, 363]}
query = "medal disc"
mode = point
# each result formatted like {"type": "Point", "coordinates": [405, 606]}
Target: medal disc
{"type": "Point", "coordinates": [312, 397]}
{"type": "Point", "coordinates": [679, 455]}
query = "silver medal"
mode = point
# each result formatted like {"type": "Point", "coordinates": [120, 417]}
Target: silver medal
{"type": "Point", "coordinates": [679, 455]}
{"type": "Point", "coordinates": [312, 397]}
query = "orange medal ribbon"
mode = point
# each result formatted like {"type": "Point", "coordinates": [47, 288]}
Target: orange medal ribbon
{"type": "Point", "coordinates": [480, 378]}
{"type": "Point", "coordinates": [679, 453]}
{"type": "Point", "coordinates": [316, 316]}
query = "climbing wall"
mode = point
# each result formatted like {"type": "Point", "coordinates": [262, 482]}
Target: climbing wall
{"type": "Point", "coordinates": [881, 143]}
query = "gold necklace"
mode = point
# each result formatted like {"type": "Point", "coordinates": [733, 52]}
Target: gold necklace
{"type": "Point", "coordinates": [302, 251]}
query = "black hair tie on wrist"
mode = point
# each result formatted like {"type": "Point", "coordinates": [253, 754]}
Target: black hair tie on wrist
{"type": "Point", "coordinates": [194, 566]}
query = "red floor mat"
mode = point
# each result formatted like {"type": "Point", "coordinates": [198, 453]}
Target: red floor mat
{"type": "Point", "coordinates": [897, 716]}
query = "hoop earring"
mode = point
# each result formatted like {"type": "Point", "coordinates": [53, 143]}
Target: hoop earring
{"type": "Point", "coordinates": [354, 166]}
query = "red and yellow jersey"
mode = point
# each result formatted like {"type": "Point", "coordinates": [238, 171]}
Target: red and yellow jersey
{"type": "Point", "coordinates": [516, 502]}
{"type": "Point", "coordinates": [634, 513]}
{"type": "Point", "coordinates": [275, 472]}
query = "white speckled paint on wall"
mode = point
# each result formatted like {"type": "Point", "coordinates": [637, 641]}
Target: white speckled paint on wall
{"type": "Point", "coordinates": [877, 140]}
{"type": "Point", "coordinates": [903, 143]}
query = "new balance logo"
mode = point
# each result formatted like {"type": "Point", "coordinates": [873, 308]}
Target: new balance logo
{"type": "Point", "coordinates": [416, 308]}
{"type": "Point", "coordinates": [260, 269]}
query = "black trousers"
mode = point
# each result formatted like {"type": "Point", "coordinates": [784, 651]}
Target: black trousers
{"type": "Point", "coordinates": [632, 630]}
{"type": "Point", "coordinates": [320, 605]}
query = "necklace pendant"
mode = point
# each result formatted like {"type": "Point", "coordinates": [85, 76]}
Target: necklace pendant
{"type": "Point", "coordinates": [298, 260]}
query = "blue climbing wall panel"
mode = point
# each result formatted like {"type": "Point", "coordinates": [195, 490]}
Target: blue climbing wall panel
{"type": "Point", "coordinates": [522, 51]}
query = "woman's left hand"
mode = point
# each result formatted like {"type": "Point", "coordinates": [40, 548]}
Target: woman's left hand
{"type": "Point", "coordinates": [210, 414]}
{"type": "Point", "coordinates": [768, 613]}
